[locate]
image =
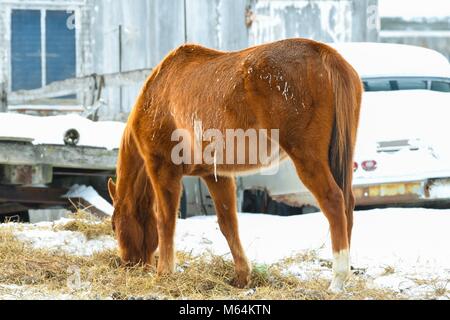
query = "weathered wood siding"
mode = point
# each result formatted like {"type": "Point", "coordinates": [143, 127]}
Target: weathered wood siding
{"type": "Point", "coordinates": [151, 28]}
{"type": "Point", "coordinates": [433, 33]}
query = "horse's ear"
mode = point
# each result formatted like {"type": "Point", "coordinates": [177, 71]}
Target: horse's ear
{"type": "Point", "coordinates": [112, 189]}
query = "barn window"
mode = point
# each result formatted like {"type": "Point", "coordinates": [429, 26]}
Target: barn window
{"type": "Point", "coordinates": [26, 49]}
{"type": "Point", "coordinates": [43, 48]}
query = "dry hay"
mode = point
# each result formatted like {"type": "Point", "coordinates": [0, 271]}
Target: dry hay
{"type": "Point", "coordinates": [101, 275]}
{"type": "Point", "coordinates": [87, 224]}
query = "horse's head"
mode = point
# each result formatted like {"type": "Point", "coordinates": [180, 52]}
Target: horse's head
{"type": "Point", "coordinates": [127, 209]}
{"type": "Point", "coordinates": [126, 225]}
{"type": "Point", "coordinates": [133, 220]}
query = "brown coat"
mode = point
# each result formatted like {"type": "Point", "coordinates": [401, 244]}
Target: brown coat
{"type": "Point", "coordinates": [301, 87]}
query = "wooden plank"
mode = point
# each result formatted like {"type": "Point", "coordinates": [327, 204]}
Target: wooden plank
{"type": "Point", "coordinates": [75, 85]}
{"type": "Point", "coordinates": [3, 97]}
{"type": "Point", "coordinates": [53, 90]}
{"type": "Point", "coordinates": [88, 207]}
{"type": "Point", "coordinates": [8, 208]}
{"type": "Point", "coordinates": [16, 139]}
{"type": "Point", "coordinates": [126, 78]}
{"type": "Point", "coordinates": [82, 172]}
{"type": "Point", "coordinates": [27, 195]}
{"type": "Point", "coordinates": [58, 156]}
{"type": "Point", "coordinates": [25, 174]}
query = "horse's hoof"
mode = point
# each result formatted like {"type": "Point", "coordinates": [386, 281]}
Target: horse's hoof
{"type": "Point", "coordinates": [131, 263]}
{"type": "Point", "coordinates": [336, 286]}
{"type": "Point", "coordinates": [240, 284]}
{"type": "Point", "coordinates": [165, 269]}
{"type": "Point", "coordinates": [241, 281]}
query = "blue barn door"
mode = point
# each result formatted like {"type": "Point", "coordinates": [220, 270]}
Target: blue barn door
{"type": "Point", "coordinates": [60, 46]}
{"type": "Point", "coordinates": [26, 57]}
{"type": "Point", "coordinates": [26, 48]}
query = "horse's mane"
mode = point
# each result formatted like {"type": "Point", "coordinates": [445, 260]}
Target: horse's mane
{"type": "Point", "coordinates": [134, 217]}
{"type": "Point", "coordinates": [133, 184]}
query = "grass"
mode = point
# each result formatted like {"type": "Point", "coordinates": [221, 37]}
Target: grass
{"type": "Point", "coordinates": [388, 270]}
{"type": "Point", "coordinates": [87, 224]}
{"type": "Point", "coordinates": [438, 287]}
{"type": "Point", "coordinates": [199, 277]}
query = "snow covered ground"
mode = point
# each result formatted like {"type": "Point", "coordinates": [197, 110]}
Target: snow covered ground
{"type": "Point", "coordinates": [51, 130]}
{"type": "Point", "coordinates": [405, 250]}
{"type": "Point", "coordinates": [397, 248]}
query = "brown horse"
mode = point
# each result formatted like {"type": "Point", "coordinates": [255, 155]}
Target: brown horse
{"type": "Point", "coordinates": [303, 88]}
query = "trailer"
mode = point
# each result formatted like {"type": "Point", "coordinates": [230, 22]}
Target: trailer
{"type": "Point", "coordinates": [39, 176]}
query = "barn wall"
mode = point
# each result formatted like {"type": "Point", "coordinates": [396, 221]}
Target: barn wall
{"type": "Point", "coordinates": [433, 33]}
{"type": "Point", "coordinates": [328, 21]}
{"type": "Point", "coordinates": [218, 24]}
{"type": "Point", "coordinates": [151, 28]}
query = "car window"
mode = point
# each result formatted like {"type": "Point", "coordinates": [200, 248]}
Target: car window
{"type": "Point", "coordinates": [411, 84]}
{"type": "Point", "coordinates": [406, 84]}
{"type": "Point", "coordinates": [377, 85]}
{"type": "Point", "coordinates": [441, 86]}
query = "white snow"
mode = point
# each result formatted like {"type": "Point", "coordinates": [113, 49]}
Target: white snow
{"type": "Point", "coordinates": [393, 60]}
{"type": "Point", "coordinates": [90, 195]}
{"type": "Point", "coordinates": [51, 130]}
{"type": "Point", "coordinates": [414, 33]}
{"type": "Point", "coordinates": [74, 243]}
{"type": "Point", "coordinates": [411, 243]}
{"type": "Point", "coordinates": [15, 292]}
{"type": "Point", "coordinates": [414, 242]}
{"type": "Point", "coordinates": [414, 8]}
{"type": "Point", "coordinates": [386, 235]}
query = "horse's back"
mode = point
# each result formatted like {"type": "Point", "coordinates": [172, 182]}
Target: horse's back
{"type": "Point", "coordinates": [282, 85]}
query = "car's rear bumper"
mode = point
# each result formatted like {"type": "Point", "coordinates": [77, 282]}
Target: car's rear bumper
{"type": "Point", "coordinates": [414, 192]}
{"type": "Point", "coordinates": [403, 192]}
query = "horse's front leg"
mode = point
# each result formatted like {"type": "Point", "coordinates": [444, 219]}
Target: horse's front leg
{"type": "Point", "coordinates": [150, 238]}
{"type": "Point", "coordinates": [166, 181]}
{"type": "Point", "coordinates": [223, 192]}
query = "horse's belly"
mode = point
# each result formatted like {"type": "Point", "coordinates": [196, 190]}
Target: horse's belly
{"type": "Point", "coordinates": [250, 169]}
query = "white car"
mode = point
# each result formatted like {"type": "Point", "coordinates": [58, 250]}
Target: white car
{"type": "Point", "coordinates": [402, 153]}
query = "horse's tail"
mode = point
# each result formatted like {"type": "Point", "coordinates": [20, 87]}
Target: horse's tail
{"type": "Point", "coordinates": [347, 91]}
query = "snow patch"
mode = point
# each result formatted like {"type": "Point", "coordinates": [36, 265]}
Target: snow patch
{"type": "Point", "coordinates": [90, 195]}
{"type": "Point", "coordinates": [51, 130]}
{"type": "Point", "coordinates": [74, 243]}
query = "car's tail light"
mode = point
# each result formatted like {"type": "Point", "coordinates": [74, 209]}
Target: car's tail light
{"type": "Point", "coordinates": [369, 165]}
{"type": "Point", "coordinates": [355, 166]}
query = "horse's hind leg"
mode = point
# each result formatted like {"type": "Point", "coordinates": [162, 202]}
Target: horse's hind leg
{"type": "Point", "coordinates": [166, 183]}
{"type": "Point", "coordinates": [317, 177]}
{"type": "Point", "coordinates": [223, 192]}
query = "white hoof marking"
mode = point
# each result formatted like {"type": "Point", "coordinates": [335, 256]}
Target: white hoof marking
{"type": "Point", "coordinates": [341, 271]}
